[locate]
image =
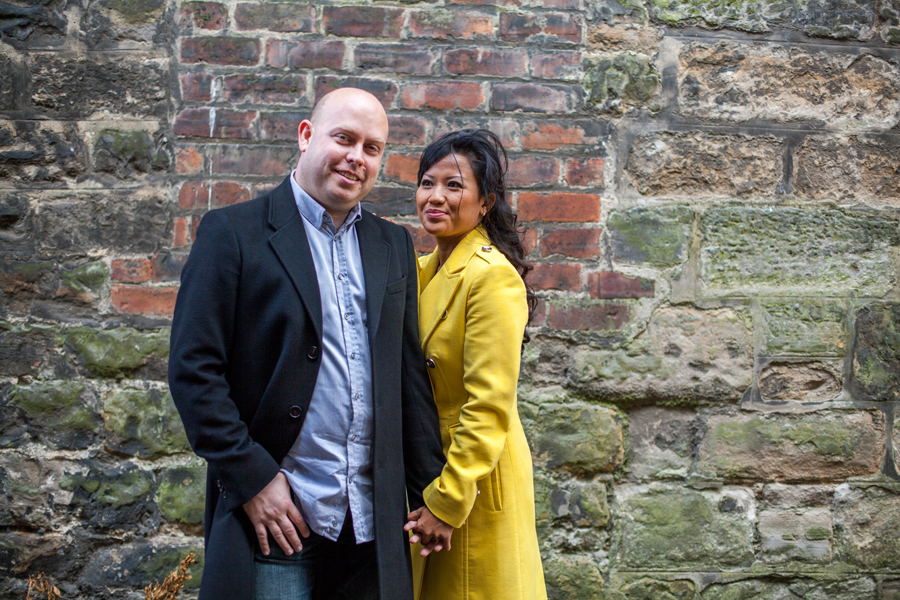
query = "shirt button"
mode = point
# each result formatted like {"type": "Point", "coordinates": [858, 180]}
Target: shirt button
{"type": "Point", "coordinates": [353, 355]}
{"type": "Point", "coordinates": [346, 316]}
{"type": "Point", "coordinates": [430, 363]}
{"type": "Point", "coordinates": [341, 276]}
{"type": "Point", "coordinates": [352, 438]}
{"type": "Point", "coordinates": [356, 396]}
{"type": "Point", "coordinates": [295, 412]}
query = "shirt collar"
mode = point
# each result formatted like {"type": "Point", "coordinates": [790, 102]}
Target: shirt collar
{"type": "Point", "coordinates": [315, 213]}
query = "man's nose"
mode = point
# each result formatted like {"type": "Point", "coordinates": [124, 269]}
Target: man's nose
{"type": "Point", "coordinates": [355, 152]}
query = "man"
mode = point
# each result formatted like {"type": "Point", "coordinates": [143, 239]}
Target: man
{"type": "Point", "coordinates": [295, 364]}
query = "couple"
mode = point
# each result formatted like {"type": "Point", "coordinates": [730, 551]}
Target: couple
{"type": "Point", "coordinates": [297, 368]}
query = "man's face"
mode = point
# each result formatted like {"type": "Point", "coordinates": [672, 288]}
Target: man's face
{"type": "Point", "coordinates": [342, 150]}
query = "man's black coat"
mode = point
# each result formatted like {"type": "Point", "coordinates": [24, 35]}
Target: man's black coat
{"type": "Point", "coordinates": [245, 352]}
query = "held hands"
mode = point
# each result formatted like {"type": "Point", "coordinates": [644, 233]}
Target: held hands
{"type": "Point", "coordinates": [433, 533]}
{"type": "Point", "coordinates": [273, 509]}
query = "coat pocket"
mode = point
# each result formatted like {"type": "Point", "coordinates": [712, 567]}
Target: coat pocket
{"type": "Point", "coordinates": [490, 491]}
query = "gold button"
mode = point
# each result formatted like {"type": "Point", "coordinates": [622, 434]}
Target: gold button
{"type": "Point", "coordinates": [430, 363]}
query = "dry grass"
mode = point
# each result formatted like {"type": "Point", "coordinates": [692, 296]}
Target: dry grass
{"type": "Point", "coordinates": [169, 588]}
{"type": "Point", "coordinates": [42, 588]}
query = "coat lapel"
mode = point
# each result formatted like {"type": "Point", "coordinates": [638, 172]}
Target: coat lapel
{"type": "Point", "coordinates": [438, 293]}
{"type": "Point", "coordinates": [375, 254]}
{"type": "Point", "coordinates": [290, 244]}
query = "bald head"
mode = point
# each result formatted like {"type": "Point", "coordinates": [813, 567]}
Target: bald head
{"type": "Point", "coordinates": [339, 98]}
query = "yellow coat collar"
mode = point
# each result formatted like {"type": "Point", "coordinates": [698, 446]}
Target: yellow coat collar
{"type": "Point", "coordinates": [437, 288]}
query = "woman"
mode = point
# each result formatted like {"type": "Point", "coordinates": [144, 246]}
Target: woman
{"type": "Point", "coordinates": [473, 309]}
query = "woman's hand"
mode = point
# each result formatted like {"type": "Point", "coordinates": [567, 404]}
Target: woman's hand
{"type": "Point", "coordinates": [433, 533]}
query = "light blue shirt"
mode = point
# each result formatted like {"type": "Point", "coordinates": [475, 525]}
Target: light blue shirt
{"type": "Point", "coordinates": [330, 464]}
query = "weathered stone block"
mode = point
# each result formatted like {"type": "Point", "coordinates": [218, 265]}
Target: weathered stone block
{"type": "Point", "coordinates": [118, 352]}
{"type": "Point", "coordinates": [683, 357]}
{"type": "Point", "coordinates": [128, 153]}
{"type": "Point", "coordinates": [29, 494]}
{"type": "Point", "coordinates": [141, 562]}
{"type": "Point", "coordinates": [123, 24]}
{"type": "Point", "coordinates": [41, 152]}
{"type": "Point", "coordinates": [814, 327]}
{"type": "Point", "coordinates": [19, 550]}
{"type": "Point", "coordinates": [578, 501]}
{"type": "Point", "coordinates": [700, 164]}
{"type": "Point", "coordinates": [59, 412]}
{"type": "Point", "coordinates": [568, 434]}
{"type": "Point", "coordinates": [622, 83]}
{"type": "Point", "coordinates": [144, 423]}
{"type": "Point", "coordinates": [851, 588]}
{"type": "Point", "coordinates": [83, 283]}
{"type": "Point", "coordinates": [812, 447]}
{"type": "Point", "coordinates": [807, 382]}
{"type": "Point", "coordinates": [648, 588]}
{"type": "Point", "coordinates": [80, 88]}
{"type": "Point", "coordinates": [678, 528]}
{"type": "Point", "coordinates": [658, 236]}
{"type": "Point", "coordinates": [113, 498]}
{"type": "Point", "coordinates": [134, 221]}
{"type": "Point", "coordinates": [573, 577]}
{"type": "Point", "coordinates": [29, 350]}
{"type": "Point", "coordinates": [876, 353]}
{"type": "Point", "coordinates": [661, 442]}
{"type": "Point", "coordinates": [789, 251]}
{"type": "Point", "coordinates": [866, 524]}
{"type": "Point", "coordinates": [848, 167]}
{"type": "Point", "coordinates": [796, 535]}
{"type": "Point", "coordinates": [181, 495]}
{"type": "Point", "coordinates": [735, 82]}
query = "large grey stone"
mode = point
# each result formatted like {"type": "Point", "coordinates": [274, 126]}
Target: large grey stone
{"type": "Point", "coordinates": [44, 153]}
{"type": "Point", "coordinates": [876, 353]}
{"type": "Point", "coordinates": [801, 535]}
{"type": "Point", "coordinates": [801, 381]}
{"type": "Point", "coordinates": [848, 167]}
{"type": "Point", "coordinates": [125, 24]}
{"type": "Point", "coordinates": [738, 82]}
{"type": "Point", "coordinates": [671, 527]}
{"type": "Point", "coordinates": [831, 588]}
{"type": "Point", "coordinates": [704, 165]}
{"type": "Point", "coordinates": [622, 83]}
{"type": "Point", "coordinates": [807, 327]}
{"type": "Point", "coordinates": [119, 352]}
{"type": "Point", "coordinates": [30, 493]}
{"type": "Point", "coordinates": [181, 494]}
{"type": "Point", "coordinates": [144, 423]}
{"type": "Point", "coordinates": [661, 442]}
{"type": "Point", "coordinates": [61, 413]}
{"type": "Point", "coordinates": [142, 562]}
{"type": "Point", "coordinates": [866, 522]}
{"type": "Point", "coordinates": [658, 236]}
{"type": "Point", "coordinates": [113, 499]}
{"type": "Point", "coordinates": [573, 577]}
{"type": "Point", "coordinates": [558, 498]}
{"type": "Point", "coordinates": [784, 251]}
{"type": "Point", "coordinates": [820, 446]}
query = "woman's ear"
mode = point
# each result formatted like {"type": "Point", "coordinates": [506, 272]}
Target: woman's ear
{"type": "Point", "coordinates": [489, 202]}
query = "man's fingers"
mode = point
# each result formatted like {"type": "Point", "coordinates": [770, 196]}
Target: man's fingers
{"type": "Point", "coordinates": [297, 519]}
{"type": "Point", "coordinates": [290, 537]}
{"type": "Point", "coordinates": [262, 534]}
{"type": "Point", "coordinates": [281, 539]}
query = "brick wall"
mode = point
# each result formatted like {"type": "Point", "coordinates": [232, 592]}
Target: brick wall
{"type": "Point", "coordinates": [712, 197]}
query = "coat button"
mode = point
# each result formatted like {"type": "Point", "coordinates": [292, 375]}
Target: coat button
{"type": "Point", "coordinates": [313, 353]}
{"type": "Point", "coordinates": [444, 316]}
{"type": "Point", "coordinates": [295, 412]}
{"type": "Point", "coordinates": [430, 363]}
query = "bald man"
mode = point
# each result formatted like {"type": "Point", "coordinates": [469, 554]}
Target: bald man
{"type": "Point", "coordinates": [296, 367]}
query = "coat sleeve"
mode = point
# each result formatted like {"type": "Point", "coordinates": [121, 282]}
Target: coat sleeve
{"type": "Point", "coordinates": [202, 336]}
{"type": "Point", "coordinates": [496, 315]}
{"type": "Point", "coordinates": [423, 455]}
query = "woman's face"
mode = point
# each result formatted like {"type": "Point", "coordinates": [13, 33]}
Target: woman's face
{"type": "Point", "coordinates": [448, 200]}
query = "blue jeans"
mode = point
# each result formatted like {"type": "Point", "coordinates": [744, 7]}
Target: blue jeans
{"type": "Point", "coordinates": [323, 570]}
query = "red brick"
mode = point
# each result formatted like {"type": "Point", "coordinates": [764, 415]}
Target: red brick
{"type": "Point", "coordinates": [385, 91]}
{"type": "Point", "coordinates": [362, 21]}
{"type": "Point", "coordinates": [577, 243]}
{"type": "Point", "coordinates": [407, 130]}
{"type": "Point", "coordinates": [193, 122]}
{"type": "Point", "coordinates": [603, 317]}
{"type": "Point", "coordinates": [484, 61]}
{"type": "Point", "coordinates": [445, 24]}
{"type": "Point", "coordinates": [422, 240]}
{"type": "Point", "coordinates": [394, 58]}
{"type": "Point", "coordinates": [193, 194]}
{"type": "Point", "coordinates": [167, 266]}
{"type": "Point", "coordinates": [286, 16]}
{"type": "Point", "coordinates": [442, 96]}
{"type": "Point", "coordinates": [508, 130]}
{"type": "Point", "coordinates": [135, 300]}
{"type": "Point", "coordinates": [233, 124]}
{"type": "Point", "coordinates": [532, 170]}
{"type": "Point", "coordinates": [263, 161]}
{"type": "Point", "coordinates": [404, 167]}
{"type": "Point", "coordinates": [584, 172]}
{"type": "Point", "coordinates": [529, 239]}
{"type": "Point", "coordinates": [226, 193]}
{"type": "Point", "coordinates": [530, 97]}
{"type": "Point", "coordinates": [180, 234]}
{"type": "Point", "coordinates": [545, 28]}
{"type": "Point", "coordinates": [556, 65]}
{"type": "Point", "coordinates": [559, 207]}
{"type": "Point", "coordinates": [617, 285]}
{"type": "Point", "coordinates": [220, 50]}
{"type": "Point", "coordinates": [131, 271]}
{"type": "Point", "coordinates": [196, 87]}
{"type": "Point", "coordinates": [188, 161]}
{"type": "Point", "coordinates": [205, 15]}
{"type": "Point", "coordinates": [306, 54]}
{"type": "Point", "coordinates": [539, 317]}
{"type": "Point", "coordinates": [284, 89]}
{"type": "Point", "coordinates": [552, 135]}
{"type": "Point", "coordinates": [280, 126]}
{"type": "Point", "coordinates": [556, 276]}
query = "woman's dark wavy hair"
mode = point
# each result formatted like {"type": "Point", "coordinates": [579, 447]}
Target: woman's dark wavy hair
{"type": "Point", "coordinates": [489, 163]}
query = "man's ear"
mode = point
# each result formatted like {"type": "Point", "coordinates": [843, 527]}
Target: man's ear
{"type": "Point", "coordinates": [304, 133]}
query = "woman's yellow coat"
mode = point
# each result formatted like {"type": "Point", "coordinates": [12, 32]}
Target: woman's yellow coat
{"type": "Point", "coordinates": [472, 316]}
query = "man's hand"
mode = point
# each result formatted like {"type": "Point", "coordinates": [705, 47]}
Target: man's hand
{"type": "Point", "coordinates": [433, 533]}
{"type": "Point", "coordinates": [273, 509]}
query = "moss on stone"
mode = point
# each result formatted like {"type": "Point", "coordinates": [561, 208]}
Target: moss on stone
{"type": "Point", "coordinates": [821, 437]}
{"type": "Point", "coordinates": [89, 277]}
{"type": "Point", "coordinates": [144, 422]}
{"type": "Point", "coordinates": [626, 80]}
{"type": "Point", "coordinates": [817, 533]}
{"type": "Point", "coordinates": [134, 11]}
{"type": "Point", "coordinates": [117, 487]}
{"type": "Point", "coordinates": [573, 577]}
{"type": "Point", "coordinates": [55, 404]}
{"type": "Point", "coordinates": [181, 494]}
{"type": "Point", "coordinates": [654, 589]}
{"type": "Point", "coordinates": [115, 352]}
{"type": "Point", "coordinates": [658, 236]}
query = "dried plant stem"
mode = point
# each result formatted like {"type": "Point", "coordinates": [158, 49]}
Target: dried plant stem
{"type": "Point", "coordinates": [174, 581]}
{"type": "Point", "coordinates": [41, 585]}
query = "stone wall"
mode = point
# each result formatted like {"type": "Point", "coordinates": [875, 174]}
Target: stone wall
{"type": "Point", "coordinates": [712, 191]}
